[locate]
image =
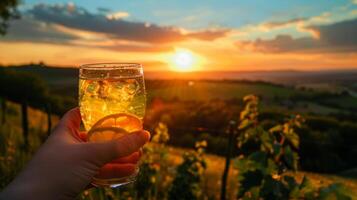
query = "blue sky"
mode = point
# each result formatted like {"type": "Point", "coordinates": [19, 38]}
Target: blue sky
{"type": "Point", "coordinates": [212, 34]}
{"type": "Point", "coordinates": [208, 13]}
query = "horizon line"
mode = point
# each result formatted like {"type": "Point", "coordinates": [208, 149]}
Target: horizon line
{"type": "Point", "coordinates": [193, 71]}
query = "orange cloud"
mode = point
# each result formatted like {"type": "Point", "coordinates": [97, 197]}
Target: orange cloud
{"type": "Point", "coordinates": [336, 37]}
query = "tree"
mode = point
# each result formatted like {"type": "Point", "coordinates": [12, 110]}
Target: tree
{"type": "Point", "coordinates": [26, 89]}
{"type": "Point", "coordinates": [8, 11]}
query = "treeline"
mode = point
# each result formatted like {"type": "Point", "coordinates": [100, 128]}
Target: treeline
{"type": "Point", "coordinates": [44, 70]}
{"type": "Point", "coordinates": [158, 83]}
{"type": "Point", "coordinates": [29, 89]}
{"type": "Point", "coordinates": [339, 100]}
{"type": "Point", "coordinates": [32, 88]}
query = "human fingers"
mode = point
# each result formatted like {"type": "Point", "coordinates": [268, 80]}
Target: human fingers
{"type": "Point", "coordinates": [132, 158]}
{"type": "Point", "coordinates": [110, 171]}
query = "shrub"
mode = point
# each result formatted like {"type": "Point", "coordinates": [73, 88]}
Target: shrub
{"type": "Point", "coordinates": [266, 157]}
{"type": "Point", "coordinates": [186, 184]}
{"type": "Point", "coordinates": [153, 170]}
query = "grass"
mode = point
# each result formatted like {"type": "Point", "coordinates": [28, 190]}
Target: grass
{"type": "Point", "coordinates": [274, 97]}
{"type": "Point", "coordinates": [205, 90]}
{"type": "Point", "coordinates": [12, 153]}
{"type": "Point", "coordinates": [345, 102]}
{"type": "Point", "coordinates": [302, 107]}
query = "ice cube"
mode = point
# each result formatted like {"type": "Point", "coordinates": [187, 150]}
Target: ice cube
{"type": "Point", "coordinates": [104, 89]}
{"type": "Point", "coordinates": [131, 87]}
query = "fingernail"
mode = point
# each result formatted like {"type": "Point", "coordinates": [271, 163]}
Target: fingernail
{"type": "Point", "coordinates": [147, 135]}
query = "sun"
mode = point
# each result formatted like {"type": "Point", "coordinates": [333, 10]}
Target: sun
{"type": "Point", "coordinates": [183, 60]}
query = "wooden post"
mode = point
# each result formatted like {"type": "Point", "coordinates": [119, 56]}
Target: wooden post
{"type": "Point", "coordinates": [231, 135]}
{"type": "Point", "coordinates": [3, 111]}
{"type": "Point", "coordinates": [25, 123]}
{"type": "Point", "coordinates": [49, 122]}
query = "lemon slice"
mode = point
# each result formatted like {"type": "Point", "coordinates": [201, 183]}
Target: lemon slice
{"type": "Point", "coordinates": [125, 121]}
{"type": "Point", "coordinates": [105, 134]}
{"type": "Point", "coordinates": [113, 127]}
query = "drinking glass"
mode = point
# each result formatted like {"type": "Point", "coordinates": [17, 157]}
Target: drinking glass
{"type": "Point", "coordinates": [112, 103]}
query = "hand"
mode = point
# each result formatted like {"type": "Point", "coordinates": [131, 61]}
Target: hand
{"type": "Point", "coordinates": [64, 166]}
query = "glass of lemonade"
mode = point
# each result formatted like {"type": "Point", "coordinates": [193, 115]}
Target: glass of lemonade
{"type": "Point", "coordinates": [112, 103]}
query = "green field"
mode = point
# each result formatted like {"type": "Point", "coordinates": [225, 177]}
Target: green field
{"type": "Point", "coordinates": [275, 97]}
{"type": "Point", "coordinates": [11, 137]}
{"type": "Point", "coordinates": [206, 90]}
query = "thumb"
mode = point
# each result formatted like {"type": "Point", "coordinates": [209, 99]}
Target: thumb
{"type": "Point", "coordinates": [71, 120]}
{"type": "Point", "coordinates": [104, 152]}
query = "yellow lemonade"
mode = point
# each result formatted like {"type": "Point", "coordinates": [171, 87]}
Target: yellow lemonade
{"type": "Point", "coordinates": [112, 103]}
{"type": "Point", "coordinates": [102, 97]}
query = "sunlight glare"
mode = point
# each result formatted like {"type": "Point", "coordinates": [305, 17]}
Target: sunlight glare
{"type": "Point", "coordinates": [183, 60]}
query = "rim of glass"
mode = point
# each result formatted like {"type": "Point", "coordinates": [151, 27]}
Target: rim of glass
{"type": "Point", "coordinates": [111, 65]}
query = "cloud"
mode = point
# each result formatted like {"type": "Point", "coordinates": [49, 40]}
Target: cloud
{"type": "Point", "coordinates": [338, 34]}
{"type": "Point", "coordinates": [336, 37]}
{"type": "Point", "coordinates": [208, 34]}
{"type": "Point", "coordinates": [30, 30]}
{"type": "Point", "coordinates": [67, 24]}
{"type": "Point", "coordinates": [117, 15]}
{"type": "Point", "coordinates": [279, 24]}
{"type": "Point", "coordinates": [27, 29]}
{"type": "Point", "coordinates": [297, 26]}
{"type": "Point", "coordinates": [103, 10]}
{"type": "Point", "coordinates": [79, 18]}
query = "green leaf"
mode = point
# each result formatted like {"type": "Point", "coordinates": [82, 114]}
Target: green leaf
{"type": "Point", "coordinates": [266, 141]}
{"type": "Point", "coordinates": [244, 114]}
{"type": "Point", "coordinates": [272, 168]}
{"type": "Point", "coordinates": [273, 189]}
{"type": "Point", "coordinates": [248, 180]}
{"type": "Point", "coordinates": [291, 158]}
{"type": "Point", "coordinates": [250, 97]}
{"type": "Point", "coordinates": [291, 182]}
{"type": "Point", "coordinates": [260, 158]}
{"type": "Point", "coordinates": [292, 186]}
{"type": "Point", "coordinates": [243, 165]}
{"type": "Point", "coordinates": [306, 184]}
{"type": "Point", "coordinates": [277, 128]}
{"type": "Point", "coordinates": [245, 124]}
{"type": "Point", "coordinates": [277, 148]}
{"type": "Point", "coordinates": [293, 138]}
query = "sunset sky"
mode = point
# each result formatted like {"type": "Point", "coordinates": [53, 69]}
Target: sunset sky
{"type": "Point", "coordinates": [185, 35]}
